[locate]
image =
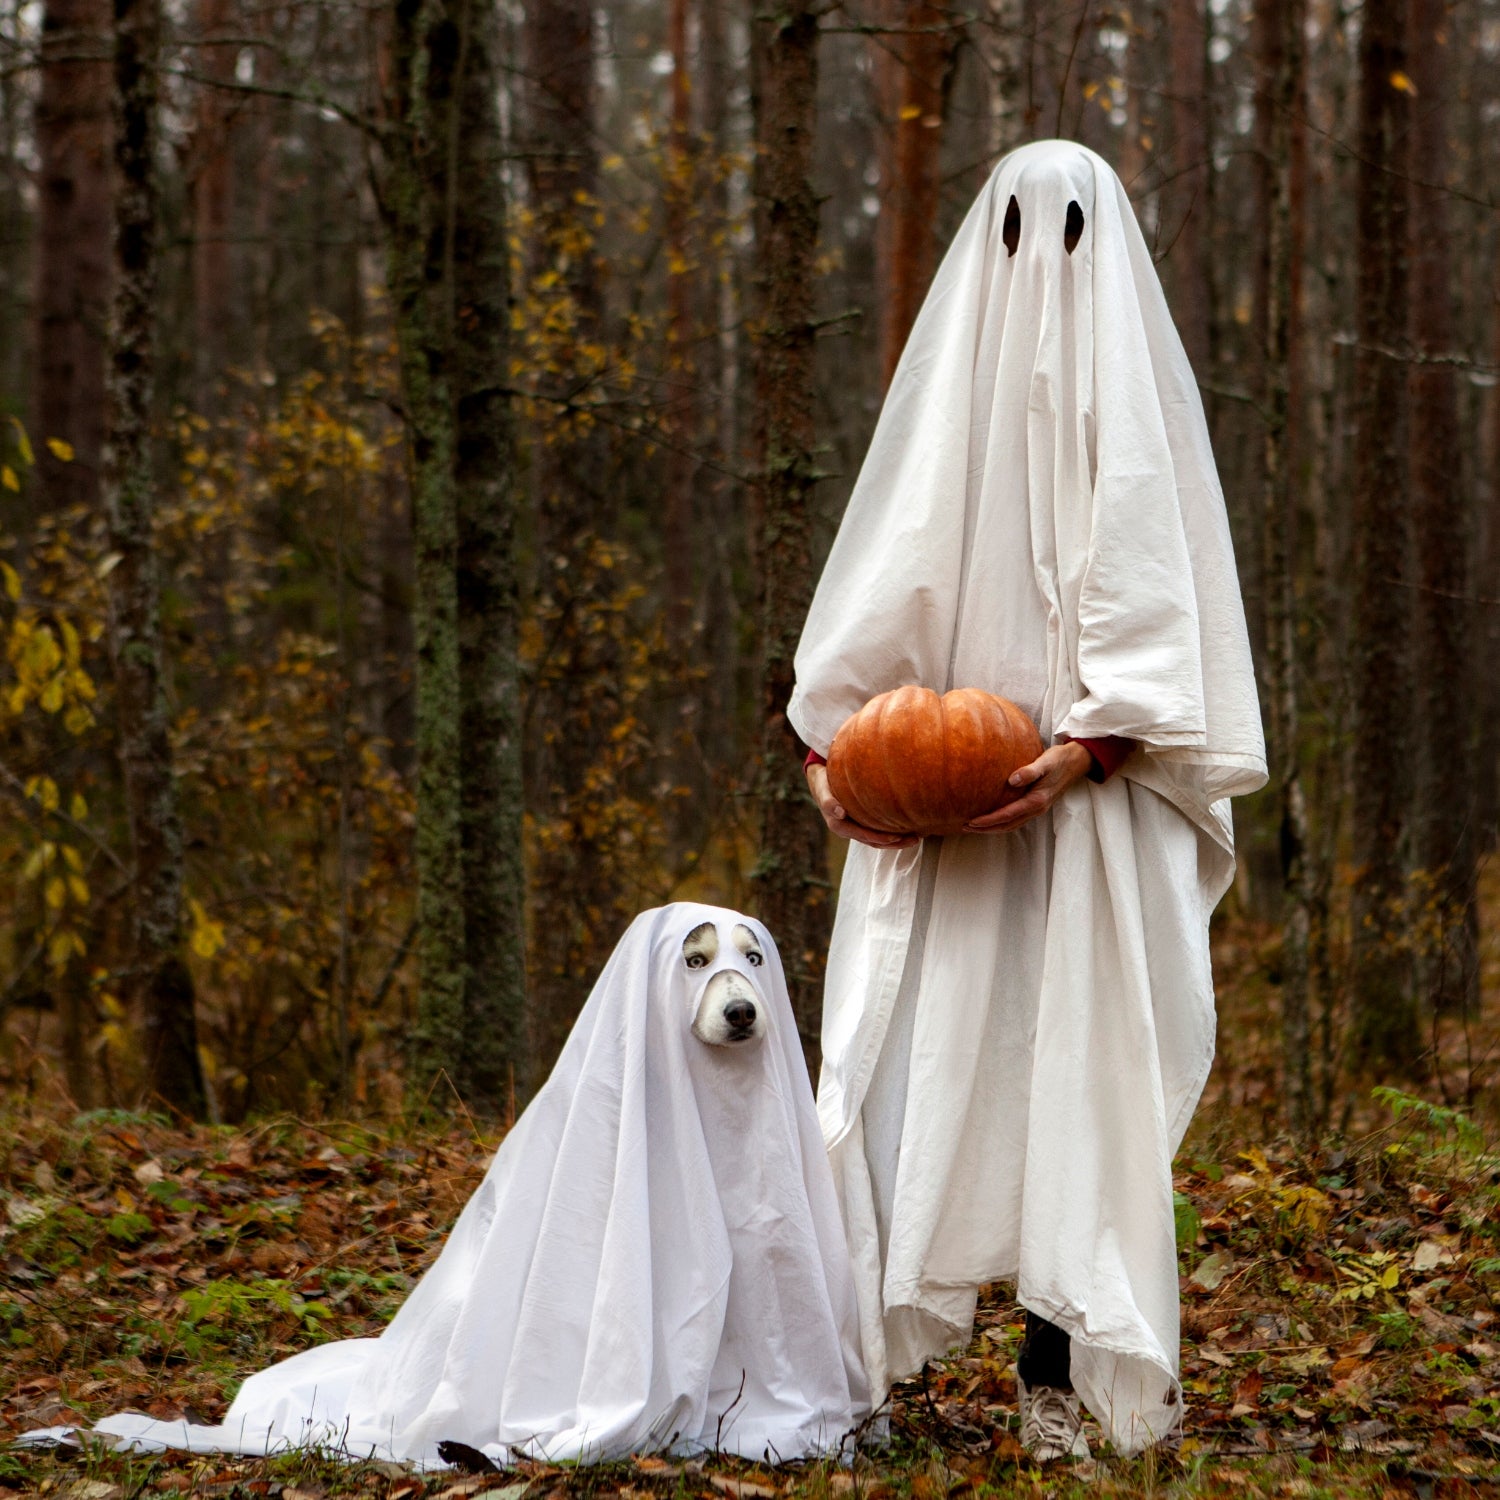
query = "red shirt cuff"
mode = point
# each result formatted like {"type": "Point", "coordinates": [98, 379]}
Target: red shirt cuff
{"type": "Point", "coordinates": [813, 759]}
{"type": "Point", "coordinates": [1110, 753]}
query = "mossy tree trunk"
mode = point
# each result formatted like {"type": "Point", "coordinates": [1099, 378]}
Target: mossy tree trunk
{"type": "Point", "coordinates": [792, 869]}
{"type": "Point", "coordinates": [160, 978]}
{"type": "Point", "coordinates": [444, 202]}
{"type": "Point", "coordinates": [494, 1065]}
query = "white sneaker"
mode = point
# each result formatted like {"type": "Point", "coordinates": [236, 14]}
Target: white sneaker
{"type": "Point", "coordinates": [1051, 1423]}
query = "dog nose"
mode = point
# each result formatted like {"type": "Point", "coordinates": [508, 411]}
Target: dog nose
{"type": "Point", "coordinates": [740, 1014]}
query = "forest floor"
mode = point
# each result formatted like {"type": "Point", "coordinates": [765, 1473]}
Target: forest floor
{"type": "Point", "coordinates": [1341, 1333]}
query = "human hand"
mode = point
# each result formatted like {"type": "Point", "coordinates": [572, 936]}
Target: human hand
{"type": "Point", "coordinates": [1037, 787]}
{"type": "Point", "coordinates": [846, 828]}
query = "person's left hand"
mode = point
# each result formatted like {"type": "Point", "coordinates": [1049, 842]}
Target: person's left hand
{"type": "Point", "coordinates": [1037, 787]}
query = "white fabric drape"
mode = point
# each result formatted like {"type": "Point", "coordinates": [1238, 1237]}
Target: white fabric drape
{"type": "Point", "coordinates": [654, 1259]}
{"type": "Point", "coordinates": [1017, 1026]}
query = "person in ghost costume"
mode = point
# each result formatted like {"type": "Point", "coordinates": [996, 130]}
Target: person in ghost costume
{"type": "Point", "coordinates": [1018, 1021]}
{"type": "Point", "coordinates": [654, 1259]}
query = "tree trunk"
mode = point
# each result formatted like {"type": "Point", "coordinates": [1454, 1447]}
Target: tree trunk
{"type": "Point", "coordinates": [1187, 206]}
{"type": "Point", "coordinates": [1384, 1014]}
{"type": "Point", "coordinates": [417, 254]}
{"type": "Point", "coordinates": [681, 416]}
{"type": "Point", "coordinates": [73, 257]}
{"type": "Point", "coordinates": [1280, 103]}
{"type": "Point", "coordinates": [495, 1063]}
{"type": "Point", "coordinates": [793, 845]}
{"type": "Point", "coordinates": [573, 900]}
{"type": "Point", "coordinates": [1446, 809]}
{"type": "Point", "coordinates": [212, 188]}
{"type": "Point", "coordinates": [160, 976]}
{"type": "Point", "coordinates": [912, 65]}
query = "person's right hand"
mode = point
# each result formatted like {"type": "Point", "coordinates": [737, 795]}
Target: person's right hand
{"type": "Point", "coordinates": [846, 828]}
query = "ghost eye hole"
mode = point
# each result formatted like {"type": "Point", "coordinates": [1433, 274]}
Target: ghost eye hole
{"type": "Point", "coordinates": [1072, 228]}
{"type": "Point", "coordinates": [748, 944]}
{"type": "Point", "coordinates": [1011, 233]}
{"type": "Point", "coordinates": [701, 946]}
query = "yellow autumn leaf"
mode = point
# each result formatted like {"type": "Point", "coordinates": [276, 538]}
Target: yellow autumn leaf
{"type": "Point", "coordinates": [78, 808]}
{"type": "Point", "coordinates": [77, 719]}
{"type": "Point", "coordinates": [57, 893]}
{"type": "Point", "coordinates": [60, 450]}
{"type": "Point", "coordinates": [62, 945]}
{"type": "Point", "coordinates": [8, 478]}
{"type": "Point", "coordinates": [44, 789]}
{"type": "Point", "coordinates": [12, 581]}
{"type": "Point", "coordinates": [78, 888]}
{"type": "Point", "coordinates": [1402, 81]}
{"type": "Point", "coordinates": [111, 1035]}
{"type": "Point", "coordinates": [910, 111]}
{"type": "Point", "coordinates": [73, 859]}
{"type": "Point", "coordinates": [51, 697]}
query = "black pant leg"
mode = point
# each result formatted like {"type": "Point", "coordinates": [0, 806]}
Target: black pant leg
{"type": "Point", "coordinates": [1046, 1355]}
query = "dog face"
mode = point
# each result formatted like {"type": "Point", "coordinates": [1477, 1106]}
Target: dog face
{"type": "Point", "coordinates": [730, 1011]}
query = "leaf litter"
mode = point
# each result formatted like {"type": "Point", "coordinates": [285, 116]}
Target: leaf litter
{"type": "Point", "coordinates": [1340, 1332]}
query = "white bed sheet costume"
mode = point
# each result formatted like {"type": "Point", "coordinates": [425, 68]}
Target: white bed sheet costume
{"type": "Point", "coordinates": [1018, 1026]}
{"type": "Point", "coordinates": [654, 1259]}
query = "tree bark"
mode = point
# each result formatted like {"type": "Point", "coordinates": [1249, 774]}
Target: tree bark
{"type": "Point", "coordinates": [495, 1065]}
{"type": "Point", "coordinates": [1447, 809]}
{"type": "Point", "coordinates": [1188, 205]}
{"type": "Point", "coordinates": [793, 847]}
{"type": "Point", "coordinates": [1280, 103]}
{"type": "Point", "coordinates": [570, 705]}
{"type": "Point", "coordinates": [212, 199]}
{"type": "Point", "coordinates": [681, 416]}
{"type": "Point", "coordinates": [911, 65]}
{"type": "Point", "coordinates": [417, 257]}
{"type": "Point", "coordinates": [1384, 1012]}
{"type": "Point", "coordinates": [160, 975]}
{"type": "Point", "coordinates": [73, 256]}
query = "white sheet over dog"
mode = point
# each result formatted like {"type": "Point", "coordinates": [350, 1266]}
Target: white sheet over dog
{"type": "Point", "coordinates": [1017, 1026]}
{"type": "Point", "coordinates": [653, 1260]}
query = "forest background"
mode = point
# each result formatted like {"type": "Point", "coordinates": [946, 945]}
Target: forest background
{"type": "Point", "coordinates": [424, 422]}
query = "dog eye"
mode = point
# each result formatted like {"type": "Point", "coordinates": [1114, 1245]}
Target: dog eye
{"type": "Point", "coordinates": [756, 959]}
{"type": "Point", "coordinates": [696, 961]}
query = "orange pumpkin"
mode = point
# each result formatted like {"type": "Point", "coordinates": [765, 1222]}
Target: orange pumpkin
{"type": "Point", "coordinates": [912, 762]}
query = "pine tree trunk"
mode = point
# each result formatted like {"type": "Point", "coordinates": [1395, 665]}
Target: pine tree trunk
{"type": "Point", "coordinates": [1446, 810]}
{"type": "Point", "coordinates": [913, 63]}
{"type": "Point", "coordinates": [212, 189]}
{"type": "Point", "coordinates": [418, 289]}
{"type": "Point", "coordinates": [681, 416]}
{"type": "Point", "coordinates": [1188, 203]}
{"type": "Point", "coordinates": [1384, 1012]}
{"type": "Point", "coordinates": [495, 1063]}
{"type": "Point", "coordinates": [573, 505]}
{"type": "Point", "coordinates": [160, 976]}
{"type": "Point", "coordinates": [793, 847]}
{"type": "Point", "coordinates": [73, 257]}
{"type": "Point", "coordinates": [1280, 103]}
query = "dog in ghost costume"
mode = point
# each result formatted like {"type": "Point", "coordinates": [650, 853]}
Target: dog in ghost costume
{"type": "Point", "coordinates": [1018, 1022]}
{"type": "Point", "coordinates": [653, 1261]}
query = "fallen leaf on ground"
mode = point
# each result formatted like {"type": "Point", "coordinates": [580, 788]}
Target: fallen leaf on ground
{"type": "Point", "coordinates": [741, 1489]}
